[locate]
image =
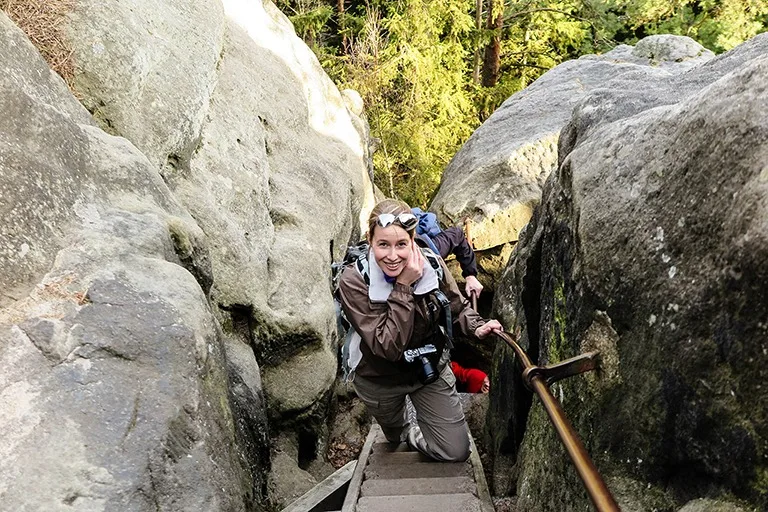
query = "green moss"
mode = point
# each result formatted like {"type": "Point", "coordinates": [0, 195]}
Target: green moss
{"type": "Point", "coordinates": [557, 346]}
{"type": "Point", "coordinates": [760, 483]}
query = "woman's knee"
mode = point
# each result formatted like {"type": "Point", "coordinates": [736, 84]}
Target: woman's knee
{"type": "Point", "coordinates": [452, 448]}
{"type": "Point", "coordinates": [457, 451]}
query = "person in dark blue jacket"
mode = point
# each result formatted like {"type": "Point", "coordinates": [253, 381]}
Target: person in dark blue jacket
{"type": "Point", "coordinates": [449, 241]}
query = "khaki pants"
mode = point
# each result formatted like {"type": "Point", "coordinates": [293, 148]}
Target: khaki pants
{"type": "Point", "coordinates": [438, 412]}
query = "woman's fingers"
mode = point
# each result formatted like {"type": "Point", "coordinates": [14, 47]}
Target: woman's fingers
{"type": "Point", "coordinates": [488, 327]}
{"type": "Point", "coordinates": [418, 256]}
{"type": "Point", "coordinates": [417, 259]}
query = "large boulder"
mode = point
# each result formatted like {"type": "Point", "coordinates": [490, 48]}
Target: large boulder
{"type": "Point", "coordinates": [649, 246]}
{"type": "Point", "coordinates": [274, 175]}
{"type": "Point", "coordinates": [259, 146]}
{"type": "Point", "coordinates": [240, 176]}
{"type": "Point", "coordinates": [495, 179]}
{"type": "Point", "coordinates": [114, 392]}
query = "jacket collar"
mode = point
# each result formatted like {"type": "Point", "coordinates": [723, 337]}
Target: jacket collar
{"type": "Point", "coordinates": [379, 289]}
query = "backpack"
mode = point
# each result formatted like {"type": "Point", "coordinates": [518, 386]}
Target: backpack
{"type": "Point", "coordinates": [427, 227]}
{"type": "Point", "coordinates": [358, 255]}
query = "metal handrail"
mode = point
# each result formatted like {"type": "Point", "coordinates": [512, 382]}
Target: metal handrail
{"type": "Point", "coordinates": [537, 379]}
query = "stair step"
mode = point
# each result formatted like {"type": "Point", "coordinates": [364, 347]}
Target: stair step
{"type": "Point", "coordinates": [385, 447]}
{"type": "Point", "coordinates": [418, 486]}
{"type": "Point", "coordinates": [383, 458]}
{"type": "Point", "coordinates": [421, 503]}
{"type": "Point", "coordinates": [418, 470]}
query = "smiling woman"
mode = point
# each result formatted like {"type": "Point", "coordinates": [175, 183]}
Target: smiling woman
{"type": "Point", "coordinates": [391, 237]}
{"type": "Point", "coordinates": [404, 310]}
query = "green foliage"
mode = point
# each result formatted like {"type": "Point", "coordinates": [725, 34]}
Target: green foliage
{"type": "Point", "coordinates": [541, 34]}
{"type": "Point", "coordinates": [412, 61]}
{"type": "Point", "coordinates": [309, 18]}
{"type": "Point", "coordinates": [409, 64]}
{"type": "Point", "coordinates": [716, 24]}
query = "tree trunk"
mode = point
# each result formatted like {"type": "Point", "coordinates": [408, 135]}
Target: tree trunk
{"type": "Point", "coordinates": [492, 58]}
{"type": "Point", "coordinates": [478, 26]}
{"type": "Point", "coordinates": [340, 14]}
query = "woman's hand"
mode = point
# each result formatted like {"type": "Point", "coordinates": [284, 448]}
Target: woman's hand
{"type": "Point", "coordinates": [414, 267]}
{"type": "Point", "coordinates": [487, 328]}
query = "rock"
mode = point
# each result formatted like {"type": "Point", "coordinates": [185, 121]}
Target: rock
{"type": "Point", "coordinates": [475, 407]}
{"type": "Point", "coordinates": [114, 388]}
{"type": "Point", "coordinates": [146, 70]}
{"type": "Point", "coordinates": [258, 145]}
{"type": "Point", "coordinates": [249, 409]}
{"type": "Point", "coordinates": [638, 496]}
{"type": "Point", "coordinates": [666, 51]}
{"type": "Point", "coordinates": [648, 245]}
{"type": "Point", "coordinates": [146, 279]}
{"type": "Point", "coordinates": [708, 505]}
{"type": "Point", "coordinates": [28, 248]}
{"type": "Point", "coordinates": [353, 101]}
{"type": "Point", "coordinates": [301, 381]}
{"type": "Point", "coordinates": [274, 206]}
{"type": "Point", "coordinates": [496, 177]}
{"type": "Point", "coordinates": [631, 93]}
{"type": "Point", "coordinates": [287, 480]}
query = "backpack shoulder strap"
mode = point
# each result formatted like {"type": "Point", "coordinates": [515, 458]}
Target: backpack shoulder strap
{"type": "Point", "coordinates": [356, 255]}
{"type": "Point", "coordinates": [442, 299]}
{"type": "Point", "coordinates": [434, 262]}
{"type": "Point", "coordinates": [362, 267]}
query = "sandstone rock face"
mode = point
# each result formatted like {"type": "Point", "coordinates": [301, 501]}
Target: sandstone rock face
{"type": "Point", "coordinates": [146, 70]}
{"type": "Point", "coordinates": [706, 505]}
{"type": "Point", "coordinates": [649, 246]}
{"type": "Point", "coordinates": [166, 299]}
{"type": "Point", "coordinates": [35, 86]}
{"type": "Point", "coordinates": [113, 389]}
{"type": "Point", "coordinates": [275, 176]}
{"type": "Point", "coordinates": [496, 177]}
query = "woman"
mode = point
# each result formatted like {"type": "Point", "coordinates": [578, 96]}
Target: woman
{"type": "Point", "coordinates": [396, 308]}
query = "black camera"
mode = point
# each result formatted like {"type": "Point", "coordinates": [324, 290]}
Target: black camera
{"type": "Point", "coordinates": [427, 371]}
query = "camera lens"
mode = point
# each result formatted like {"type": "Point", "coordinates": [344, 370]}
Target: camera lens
{"type": "Point", "coordinates": [428, 373]}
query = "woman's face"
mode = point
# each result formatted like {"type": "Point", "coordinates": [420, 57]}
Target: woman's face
{"type": "Point", "coordinates": [391, 248]}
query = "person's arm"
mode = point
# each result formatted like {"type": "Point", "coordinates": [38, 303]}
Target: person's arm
{"type": "Point", "coordinates": [459, 372]}
{"type": "Point", "coordinates": [385, 328]}
{"type": "Point", "coordinates": [453, 241]}
{"type": "Point", "coordinates": [464, 317]}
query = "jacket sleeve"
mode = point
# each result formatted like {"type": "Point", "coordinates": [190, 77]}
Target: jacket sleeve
{"type": "Point", "coordinates": [453, 241]}
{"type": "Point", "coordinates": [385, 328]}
{"type": "Point", "coordinates": [464, 317]}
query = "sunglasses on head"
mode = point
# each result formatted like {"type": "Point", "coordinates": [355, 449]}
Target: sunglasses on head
{"type": "Point", "coordinates": [407, 221]}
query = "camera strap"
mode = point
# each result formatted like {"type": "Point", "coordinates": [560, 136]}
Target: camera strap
{"type": "Point", "coordinates": [446, 326]}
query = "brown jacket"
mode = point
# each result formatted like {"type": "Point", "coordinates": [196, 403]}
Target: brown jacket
{"type": "Point", "coordinates": [403, 322]}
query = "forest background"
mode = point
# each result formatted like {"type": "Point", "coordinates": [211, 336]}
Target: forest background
{"type": "Point", "coordinates": [430, 71]}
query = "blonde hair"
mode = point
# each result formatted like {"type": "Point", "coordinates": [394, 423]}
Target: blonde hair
{"type": "Point", "coordinates": [393, 206]}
